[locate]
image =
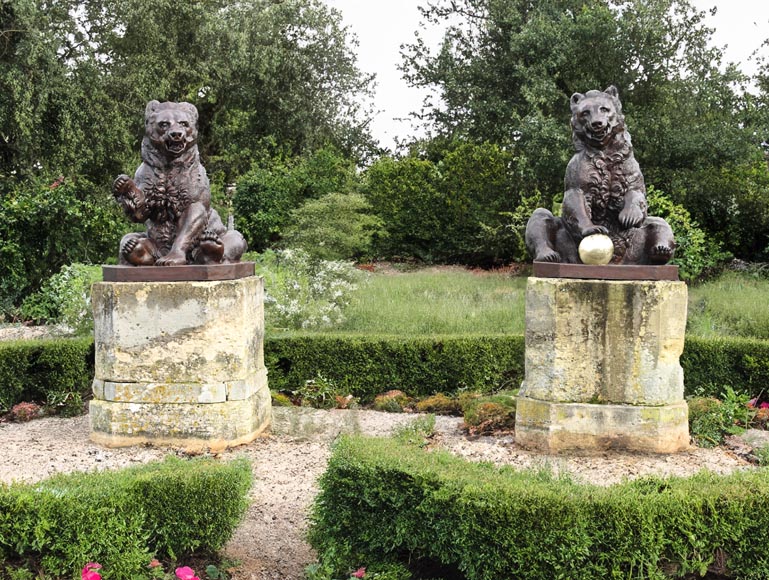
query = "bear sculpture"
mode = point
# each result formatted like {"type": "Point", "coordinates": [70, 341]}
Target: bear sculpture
{"type": "Point", "coordinates": [604, 193]}
{"type": "Point", "coordinates": [170, 194]}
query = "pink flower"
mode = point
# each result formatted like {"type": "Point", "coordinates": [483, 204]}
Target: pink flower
{"type": "Point", "coordinates": [764, 406]}
{"type": "Point", "coordinates": [154, 563]}
{"type": "Point", "coordinates": [89, 571]}
{"type": "Point", "coordinates": [752, 402]}
{"type": "Point", "coordinates": [359, 573]}
{"type": "Point", "coordinates": [186, 573]}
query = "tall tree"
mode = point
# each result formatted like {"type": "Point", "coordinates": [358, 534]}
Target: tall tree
{"type": "Point", "coordinates": [506, 69]}
{"type": "Point", "coordinates": [76, 74]}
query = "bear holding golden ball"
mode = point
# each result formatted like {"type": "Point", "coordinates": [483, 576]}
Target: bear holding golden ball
{"type": "Point", "coordinates": [605, 195]}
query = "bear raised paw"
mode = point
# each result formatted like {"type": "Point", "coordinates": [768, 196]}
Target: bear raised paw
{"type": "Point", "coordinates": [604, 193]}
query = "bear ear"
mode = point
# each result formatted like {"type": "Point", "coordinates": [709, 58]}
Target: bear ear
{"type": "Point", "coordinates": [575, 99]}
{"type": "Point", "coordinates": [152, 106]}
{"type": "Point", "coordinates": [612, 91]}
{"type": "Point", "coordinates": [190, 109]}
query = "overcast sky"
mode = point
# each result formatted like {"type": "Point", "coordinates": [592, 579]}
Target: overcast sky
{"type": "Point", "coordinates": [383, 25]}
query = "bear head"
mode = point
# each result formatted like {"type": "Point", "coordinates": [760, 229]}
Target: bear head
{"type": "Point", "coordinates": [596, 117]}
{"type": "Point", "coordinates": [172, 128]}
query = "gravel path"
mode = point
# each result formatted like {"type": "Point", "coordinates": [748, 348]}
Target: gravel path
{"type": "Point", "coordinates": [269, 544]}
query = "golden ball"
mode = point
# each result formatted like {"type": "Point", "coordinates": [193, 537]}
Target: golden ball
{"type": "Point", "coordinates": [596, 250]}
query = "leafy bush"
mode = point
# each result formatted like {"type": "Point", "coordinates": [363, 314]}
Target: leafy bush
{"type": "Point", "coordinates": [711, 419]}
{"type": "Point", "coordinates": [695, 251]}
{"type": "Point", "coordinates": [444, 209]}
{"type": "Point", "coordinates": [387, 503]}
{"type": "Point", "coordinates": [123, 518]}
{"type": "Point", "coordinates": [267, 194]}
{"type": "Point", "coordinates": [65, 298]}
{"type": "Point", "coordinates": [44, 226]}
{"type": "Point", "coordinates": [319, 392]}
{"type": "Point", "coordinates": [731, 202]}
{"type": "Point", "coordinates": [393, 401]}
{"type": "Point", "coordinates": [337, 226]}
{"type": "Point", "coordinates": [711, 363]}
{"type": "Point", "coordinates": [301, 292]}
{"type": "Point", "coordinates": [56, 372]}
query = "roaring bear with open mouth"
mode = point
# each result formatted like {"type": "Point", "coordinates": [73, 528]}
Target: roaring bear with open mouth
{"type": "Point", "coordinates": [171, 195]}
{"type": "Point", "coordinates": [604, 193]}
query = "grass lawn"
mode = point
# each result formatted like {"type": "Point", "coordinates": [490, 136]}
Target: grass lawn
{"type": "Point", "coordinates": [437, 301]}
{"type": "Point", "coordinates": [731, 305]}
{"type": "Point", "coordinates": [453, 300]}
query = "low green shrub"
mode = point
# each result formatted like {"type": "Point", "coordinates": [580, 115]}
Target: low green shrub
{"type": "Point", "coordinates": [393, 401]}
{"type": "Point", "coordinates": [484, 415]}
{"type": "Point", "coordinates": [386, 503]}
{"type": "Point", "coordinates": [55, 372]}
{"type": "Point", "coordinates": [711, 419]}
{"type": "Point", "coordinates": [439, 404]}
{"type": "Point", "coordinates": [49, 371]}
{"type": "Point", "coordinates": [122, 519]}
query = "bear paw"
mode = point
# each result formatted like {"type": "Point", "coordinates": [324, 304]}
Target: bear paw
{"type": "Point", "coordinates": [660, 254]}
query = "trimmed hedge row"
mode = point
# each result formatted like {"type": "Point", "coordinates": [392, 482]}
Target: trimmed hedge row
{"type": "Point", "coordinates": [368, 365]}
{"type": "Point", "coordinates": [419, 514]}
{"type": "Point", "coordinates": [46, 370]}
{"type": "Point", "coordinates": [123, 519]}
{"type": "Point", "coordinates": [710, 364]}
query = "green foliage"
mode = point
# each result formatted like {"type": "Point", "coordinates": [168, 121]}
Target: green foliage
{"type": "Point", "coordinates": [65, 298]}
{"type": "Point", "coordinates": [56, 372]}
{"type": "Point", "coordinates": [45, 227]}
{"type": "Point", "coordinates": [694, 252]}
{"type": "Point", "coordinates": [734, 304]}
{"type": "Point", "coordinates": [303, 293]}
{"type": "Point", "coordinates": [731, 203]}
{"type": "Point", "coordinates": [385, 502]}
{"type": "Point", "coordinates": [445, 209]}
{"type": "Point", "coordinates": [260, 73]}
{"type": "Point", "coordinates": [337, 226]}
{"type": "Point", "coordinates": [711, 419]}
{"type": "Point", "coordinates": [429, 302]}
{"type": "Point", "coordinates": [122, 519]}
{"type": "Point", "coordinates": [363, 365]}
{"type": "Point", "coordinates": [267, 194]}
{"type": "Point", "coordinates": [319, 393]}
{"type": "Point", "coordinates": [512, 235]}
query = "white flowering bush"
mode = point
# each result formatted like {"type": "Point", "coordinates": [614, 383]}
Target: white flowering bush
{"type": "Point", "coordinates": [303, 293]}
{"type": "Point", "coordinates": [65, 298]}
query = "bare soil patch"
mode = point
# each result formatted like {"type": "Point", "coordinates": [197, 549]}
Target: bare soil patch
{"type": "Point", "coordinates": [269, 544]}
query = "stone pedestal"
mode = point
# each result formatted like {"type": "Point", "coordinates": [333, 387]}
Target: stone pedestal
{"type": "Point", "coordinates": [179, 364]}
{"type": "Point", "coordinates": [602, 366]}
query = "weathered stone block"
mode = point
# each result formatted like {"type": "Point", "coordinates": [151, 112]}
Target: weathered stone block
{"type": "Point", "coordinates": [605, 341]}
{"type": "Point", "coordinates": [555, 427]}
{"type": "Point", "coordinates": [179, 363]}
{"type": "Point", "coordinates": [602, 365]}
